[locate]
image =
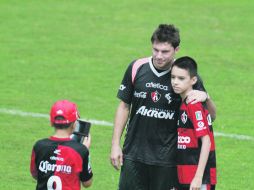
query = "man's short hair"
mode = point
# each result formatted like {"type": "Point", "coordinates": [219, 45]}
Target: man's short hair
{"type": "Point", "coordinates": [166, 33]}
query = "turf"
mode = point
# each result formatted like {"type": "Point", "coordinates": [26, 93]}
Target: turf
{"type": "Point", "coordinates": [79, 50]}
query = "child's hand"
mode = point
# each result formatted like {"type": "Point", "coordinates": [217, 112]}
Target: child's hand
{"type": "Point", "coordinates": [196, 183]}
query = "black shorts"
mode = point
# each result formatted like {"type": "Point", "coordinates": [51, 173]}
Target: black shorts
{"type": "Point", "coordinates": [140, 176]}
{"type": "Point", "coordinates": [204, 187]}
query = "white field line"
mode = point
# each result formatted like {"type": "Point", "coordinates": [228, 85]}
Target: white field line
{"type": "Point", "coordinates": [41, 115]}
{"type": "Point", "coordinates": [234, 136]}
{"type": "Point", "coordinates": [106, 123]}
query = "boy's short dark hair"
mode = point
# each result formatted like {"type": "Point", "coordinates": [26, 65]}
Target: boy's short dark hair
{"type": "Point", "coordinates": [187, 63]}
{"type": "Point", "coordinates": [61, 126]}
{"type": "Point", "coordinates": [166, 33]}
{"type": "Point", "coordinates": [62, 113]}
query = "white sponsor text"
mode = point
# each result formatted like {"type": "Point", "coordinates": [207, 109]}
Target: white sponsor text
{"type": "Point", "coordinates": [155, 113]}
{"type": "Point", "coordinates": [45, 166]}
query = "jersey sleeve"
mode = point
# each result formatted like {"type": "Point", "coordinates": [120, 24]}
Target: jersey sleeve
{"type": "Point", "coordinates": [86, 172]}
{"type": "Point", "coordinates": [126, 88]}
{"type": "Point", "coordinates": [33, 169]}
{"type": "Point", "coordinates": [198, 119]}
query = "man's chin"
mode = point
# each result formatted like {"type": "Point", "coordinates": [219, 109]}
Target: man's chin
{"type": "Point", "coordinates": [161, 65]}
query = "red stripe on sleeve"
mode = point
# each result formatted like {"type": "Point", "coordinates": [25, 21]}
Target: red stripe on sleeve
{"type": "Point", "coordinates": [33, 169]}
{"type": "Point", "coordinates": [136, 65]}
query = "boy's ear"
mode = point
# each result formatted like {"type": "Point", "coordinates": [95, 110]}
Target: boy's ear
{"type": "Point", "coordinates": [194, 80]}
{"type": "Point", "coordinates": [72, 126]}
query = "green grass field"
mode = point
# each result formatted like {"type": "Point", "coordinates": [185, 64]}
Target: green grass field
{"type": "Point", "coordinates": [79, 50]}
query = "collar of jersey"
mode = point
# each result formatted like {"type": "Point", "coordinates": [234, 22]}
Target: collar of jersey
{"type": "Point", "coordinates": [59, 139]}
{"type": "Point", "coordinates": [155, 71]}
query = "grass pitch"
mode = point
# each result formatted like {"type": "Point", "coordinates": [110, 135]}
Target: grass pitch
{"type": "Point", "coordinates": [79, 50]}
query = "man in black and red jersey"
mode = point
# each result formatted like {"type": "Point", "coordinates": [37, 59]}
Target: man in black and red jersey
{"type": "Point", "coordinates": [58, 162]}
{"type": "Point", "coordinates": [150, 106]}
{"type": "Point", "coordinates": [196, 163]}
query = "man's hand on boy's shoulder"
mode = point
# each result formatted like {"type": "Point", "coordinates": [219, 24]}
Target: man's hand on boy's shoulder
{"type": "Point", "coordinates": [195, 96]}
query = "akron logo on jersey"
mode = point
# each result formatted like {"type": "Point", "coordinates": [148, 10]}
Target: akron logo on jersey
{"type": "Point", "coordinates": [155, 96]}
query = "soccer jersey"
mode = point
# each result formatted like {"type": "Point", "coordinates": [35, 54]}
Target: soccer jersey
{"type": "Point", "coordinates": [60, 163]}
{"type": "Point", "coordinates": [193, 123]}
{"type": "Point", "coordinates": [151, 132]}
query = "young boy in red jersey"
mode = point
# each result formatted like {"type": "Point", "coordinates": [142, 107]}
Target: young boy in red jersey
{"type": "Point", "coordinates": [196, 162]}
{"type": "Point", "coordinates": [58, 162]}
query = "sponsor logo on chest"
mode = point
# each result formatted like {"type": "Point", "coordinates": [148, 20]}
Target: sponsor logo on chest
{"type": "Point", "coordinates": [161, 114]}
{"type": "Point", "coordinates": [140, 94]}
{"type": "Point", "coordinates": [183, 141]}
{"type": "Point", "coordinates": [46, 167]}
{"type": "Point", "coordinates": [156, 86]}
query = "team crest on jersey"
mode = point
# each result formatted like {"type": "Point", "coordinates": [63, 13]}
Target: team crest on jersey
{"type": "Point", "coordinates": [184, 117]}
{"type": "Point", "coordinates": [155, 96]}
{"type": "Point", "coordinates": [168, 97]}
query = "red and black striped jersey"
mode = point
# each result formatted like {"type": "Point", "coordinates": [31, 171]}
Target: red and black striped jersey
{"type": "Point", "coordinates": [151, 136]}
{"type": "Point", "coordinates": [194, 122]}
{"type": "Point", "coordinates": [60, 163]}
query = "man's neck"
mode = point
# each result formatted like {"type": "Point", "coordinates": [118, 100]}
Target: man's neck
{"type": "Point", "coordinates": [159, 70]}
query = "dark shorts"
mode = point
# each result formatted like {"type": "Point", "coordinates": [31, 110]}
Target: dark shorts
{"type": "Point", "coordinates": [140, 176]}
{"type": "Point", "coordinates": [204, 187]}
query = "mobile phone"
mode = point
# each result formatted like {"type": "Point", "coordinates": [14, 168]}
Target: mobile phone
{"type": "Point", "coordinates": [81, 130]}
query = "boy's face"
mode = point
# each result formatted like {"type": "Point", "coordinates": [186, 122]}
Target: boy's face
{"type": "Point", "coordinates": [181, 80]}
{"type": "Point", "coordinates": [163, 55]}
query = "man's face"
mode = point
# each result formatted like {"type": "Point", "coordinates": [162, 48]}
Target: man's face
{"type": "Point", "coordinates": [163, 55]}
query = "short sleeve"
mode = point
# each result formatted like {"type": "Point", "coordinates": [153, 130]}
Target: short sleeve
{"type": "Point", "coordinates": [33, 169]}
{"type": "Point", "coordinates": [125, 91]}
{"type": "Point", "coordinates": [198, 119]}
{"type": "Point", "coordinates": [86, 173]}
